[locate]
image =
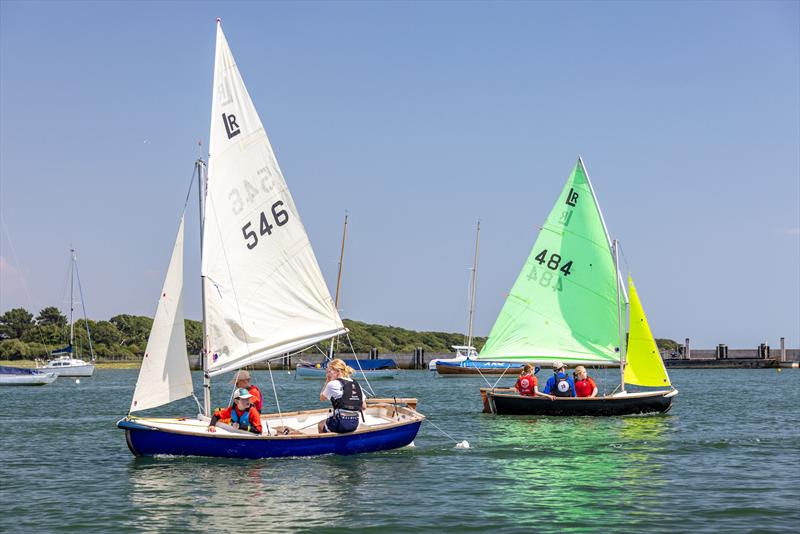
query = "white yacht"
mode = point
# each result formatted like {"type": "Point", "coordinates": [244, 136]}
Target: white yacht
{"type": "Point", "coordinates": [463, 352]}
{"type": "Point", "coordinates": [64, 364]}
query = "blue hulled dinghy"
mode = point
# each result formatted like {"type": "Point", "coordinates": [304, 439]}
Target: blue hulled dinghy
{"type": "Point", "coordinates": [263, 297]}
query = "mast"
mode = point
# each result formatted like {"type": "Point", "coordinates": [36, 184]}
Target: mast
{"type": "Point", "coordinates": [339, 280]}
{"type": "Point", "coordinates": [71, 301]}
{"type": "Point", "coordinates": [619, 319]}
{"type": "Point", "coordinates": [200, 165]}
{"type": "Point", "coordinates": [473, 288]}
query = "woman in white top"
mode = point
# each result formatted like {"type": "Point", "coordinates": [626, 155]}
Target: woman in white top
{"type": "Point", "coordinates": [346, 396]}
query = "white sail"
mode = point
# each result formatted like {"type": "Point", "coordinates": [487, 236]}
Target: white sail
{"type": "Point", "coordinates": [164, 376]}
{"type": "Point", "coordinates": [265, 294]}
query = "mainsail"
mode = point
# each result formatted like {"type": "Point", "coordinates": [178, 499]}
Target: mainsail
{"type": "Point", "coordinates": [644, 366]}
{"type": "Point", "coordinates": [164, 375]}
{"type": "Point", "coordinates": [563, 305]}
{"type": "Point", "coordinates": [265, 294]}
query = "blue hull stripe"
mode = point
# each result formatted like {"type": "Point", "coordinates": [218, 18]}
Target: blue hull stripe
{"type": "Point", "coordinates": [146, 441]}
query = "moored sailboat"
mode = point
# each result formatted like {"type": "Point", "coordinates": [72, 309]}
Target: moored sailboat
{"type": "Point", "coordinates": [263, 296]}
{"type": "Point", "coordinates": [568, 305]}
{"type": "Point", "coordinates": [64, 363]}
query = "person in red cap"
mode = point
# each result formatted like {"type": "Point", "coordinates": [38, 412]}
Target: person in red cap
{"type": "Point", "coordinates": [242, 415]}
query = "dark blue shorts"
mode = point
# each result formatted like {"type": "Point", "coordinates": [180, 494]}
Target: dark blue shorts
{"type": "Point", "coordinates": [341, 424]}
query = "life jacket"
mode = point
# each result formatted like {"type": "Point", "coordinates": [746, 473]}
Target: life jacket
{"type": "Point", "coordinates": [352, 398]}
{"type": "Point", "coordinates": [243, 419]}
{"type": "Point", "coordinates": [562, 387]}
{"type": "Point", "coordinates": [253, 390]}
{"type": "Point", "coordinates": [584, 388]}
{"type": "Point", "coordinates": [525, 385]}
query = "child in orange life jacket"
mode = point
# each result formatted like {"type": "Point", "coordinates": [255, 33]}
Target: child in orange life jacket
{"type": "Point", "coordinates": [241, 415]}
{"type": "Point", "coordinates": [527, 384]}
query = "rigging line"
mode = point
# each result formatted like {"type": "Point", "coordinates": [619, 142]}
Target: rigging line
{"type": "Point", "coordinates": [371, 391]}
{"type": "Point", "coordinates": [83, 307]}
{"type": "Point", "coordinates": [189, 191]}
{"type": "Point", "coordinates": [277, 402]}
{"type": "Point", "coordinates": [22, 278]}
{"type": "Point", "coordinates": [442, 431]}
{"type": "Point", "coordinates": [501, 376]}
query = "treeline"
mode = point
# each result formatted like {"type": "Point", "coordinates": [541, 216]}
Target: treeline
{"type": "Point", "coordinates": [124, 337]}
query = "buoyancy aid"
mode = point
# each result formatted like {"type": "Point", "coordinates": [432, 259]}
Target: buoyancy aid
{"type": "Point", "coordinates": [525, 385]}
{"type": "Point", "coordinates": [351, 400]}
{"type": "Point", "coordinates": [584, 388]}
{"type": "Point", "coordinates": [258, 405]}
{"type": "Point", "coordinates": [562, 386]}
{"type": "Point", "coordinates": [243, 420]}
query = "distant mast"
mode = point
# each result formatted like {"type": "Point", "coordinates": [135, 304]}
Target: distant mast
{"type": "Point", "coordinates": [339, 279]}
{"type": "Point", "coordinates": [71, 301]}
{"type": "Point", "coordinates": [473, 289]}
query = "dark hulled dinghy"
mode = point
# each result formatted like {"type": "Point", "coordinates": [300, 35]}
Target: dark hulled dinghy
{"type": "Point", "coordinates": [263, 296]}
{"type": "Point", "coordinates": [568, 305]}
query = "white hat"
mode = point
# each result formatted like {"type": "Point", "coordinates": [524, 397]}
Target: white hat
{"type": "Point", "coordinates": [558, 365]}
{"type": "Point", "coordinates": [242, 393]}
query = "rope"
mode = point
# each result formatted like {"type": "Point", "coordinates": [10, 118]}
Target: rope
{"type": "Point", "coordinates": [83, 307]}
{"type": "Point", "coordinates": [371, 391]}
{"type": "Point", "coordinates": [457, 442]}
{"type": "Point", "coordinates": [501, 376]}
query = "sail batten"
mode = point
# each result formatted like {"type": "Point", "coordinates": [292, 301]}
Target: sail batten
{"type": "Point", "coordinates": [264, 289]}
{"type": "Point", "coordinates": [164, 375]}
{"type": "Point", "coordinates": [563, 305]}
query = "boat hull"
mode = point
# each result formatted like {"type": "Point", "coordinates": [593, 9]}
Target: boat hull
{"type": "Point", "coordinates": [504, 402]}
{"type": "Point", "coordinates": [319, 373]}
{"type": "Point", "coordinates": [468, 367]}
{"type": "Point", "coordinates": [72, 370]}
{"type": "Point", "coordinates": [386, 426]}
{"type": "Point", "coordinates": [39, 379]}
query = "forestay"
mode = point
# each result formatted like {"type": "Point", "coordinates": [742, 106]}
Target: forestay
{"type": "Point", "coordinates": [164, 376]}
{"type": "Point", "coordinates": [265, 294]}
{"type": "Point", "coordinates": [563, 305]}
{"type": "Point", "coordinates": [644, 366]}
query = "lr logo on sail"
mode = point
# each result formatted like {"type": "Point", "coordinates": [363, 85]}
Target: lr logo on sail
{"type": "Point", "coordinates": [231, 128]}
{"type": "Point", "coordinates": [572, 198]}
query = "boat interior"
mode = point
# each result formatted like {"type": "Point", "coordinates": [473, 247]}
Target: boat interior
{"type": "Point", "coordinates": [380, 413]}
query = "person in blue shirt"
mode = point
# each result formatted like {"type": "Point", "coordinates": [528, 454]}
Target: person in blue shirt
{"type": "Point", "coordinates": [560, 384]}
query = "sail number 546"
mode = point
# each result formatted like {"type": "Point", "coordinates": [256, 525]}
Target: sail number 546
{"type": "Point", "coordinates": [280, 216]}
{"type": "Point", "coordinates": [553, 262]}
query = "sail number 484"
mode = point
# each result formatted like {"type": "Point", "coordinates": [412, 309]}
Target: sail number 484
{"type": "Point", "coordinates": [553, 262]}
{"type": "Point", "coordinates": [280, 216]}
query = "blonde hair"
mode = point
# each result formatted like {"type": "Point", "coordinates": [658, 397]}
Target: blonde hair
{"type": "Point", "coordinates": [580, 369]}
{"type": "Point", "coordinates": [340, 367]}
{"type": "Point", "coordinates": [526, 369]}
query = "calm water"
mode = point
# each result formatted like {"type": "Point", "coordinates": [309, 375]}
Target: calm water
{"type": "Point", "coordinates": [725, 458]}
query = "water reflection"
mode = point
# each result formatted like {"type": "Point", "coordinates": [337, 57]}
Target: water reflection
{"type": "Point", "coordinates": [281, 493]}
{"type": "Point", "coordinates": [588, 471]}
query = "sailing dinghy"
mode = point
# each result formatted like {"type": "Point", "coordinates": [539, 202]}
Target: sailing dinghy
{"type": "Point", "coordinates": [568, 305]}
{"type": "Point", "coordinates": [263, 296]}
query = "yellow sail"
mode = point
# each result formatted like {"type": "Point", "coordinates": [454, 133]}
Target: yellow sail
{"type": "Point", "coordinates": [644, 365]}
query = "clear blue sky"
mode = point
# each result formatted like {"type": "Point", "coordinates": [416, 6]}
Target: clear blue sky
{"type": "Point", "coordinates": [419, 118]}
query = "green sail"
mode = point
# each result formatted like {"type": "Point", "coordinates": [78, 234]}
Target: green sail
{"type": "Point", "coordinates": [563, 305]}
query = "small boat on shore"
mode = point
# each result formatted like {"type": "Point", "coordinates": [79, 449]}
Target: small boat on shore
{"type": "Point", "coordinates": [18, 376]}
{"type": "Point", "coordinates": [568, 305]}
{"type": "Point", "coordinates": [263, 296]}
{"type": "Point", "coordinates": [380, 369]}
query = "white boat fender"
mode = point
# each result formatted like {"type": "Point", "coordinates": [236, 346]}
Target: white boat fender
{"type": "Point", "coordinates": [462, 445]}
